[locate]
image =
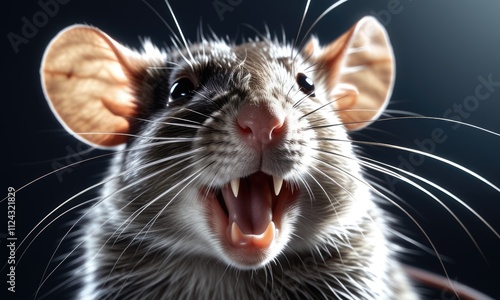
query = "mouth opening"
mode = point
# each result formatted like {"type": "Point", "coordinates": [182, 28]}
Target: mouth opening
{"type": "Point", "coordinates": [251, 210]}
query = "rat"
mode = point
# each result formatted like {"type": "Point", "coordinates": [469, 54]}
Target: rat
{"type": "Point", "coordinates": [234, 174]}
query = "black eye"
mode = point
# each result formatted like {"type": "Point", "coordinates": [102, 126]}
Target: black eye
{"type": "Point", "coordinates": [306, 84]}
{"type": "Point", "coordinates": [181, 89]}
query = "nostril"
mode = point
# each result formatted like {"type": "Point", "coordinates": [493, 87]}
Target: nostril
{"type": "Point", "coordinates": [260, 124]}
{"type": "Point", "coordinates": [279, 127]}
{"type": "Point", "coordinates": [274, 129]}
{"type": "Point", "coordinates": [245, 128]}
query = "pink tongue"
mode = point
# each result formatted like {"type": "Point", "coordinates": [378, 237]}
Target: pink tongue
{"type": "Point", "coordinates": [252, 210]}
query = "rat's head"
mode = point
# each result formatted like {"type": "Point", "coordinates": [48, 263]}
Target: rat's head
{"type": "Point", "coordinates": [235, 152]}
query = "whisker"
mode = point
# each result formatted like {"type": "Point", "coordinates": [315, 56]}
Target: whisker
{"type": "Point", "coordinates": [433, 156]}
{"type": "Point", "coordinates": [332, 7]}
{"type": "Point", "coordinates": [200, 125]}
{"type": "Point", "coordinates": [395, 196]}
{"type": "Point", "coordinates": [310, 67]}
{"type": "Point", "coordinates": [202, 114]}
{"type": "Point", "coordinates": [266, 38]}
{"type": "Point", "coordinates": [93, 187]}
{"type": "Point", "coordinates": [91, 209]}
{"type": "Point", "coordinates": [339, 185]}
{"type": "Point", "coordinates": [64, 284]}
{"type": "Point", "coordinates": [321, 187]}
{"type": "Point", "coordinates": [383, 168]}
{"type": "Point", "coordinates": [332, 180]}
{"type": "Point", "coordinates": [412, 183]}
{"type": "Point", "coordinates": [398, 206]}
{"type": "Point", "coordinates": [142, 137]}
{"type": "Point", "coordinates": [445, 191]}
{"type": "Point", "coordinates": [304, 97]}
{"type": "Point", "coordinates": [111, 217]}
{"type": "Point", "coordinates": [170, 140]}
{"type": "Point", "coordinates": [408, 118]}
{"type": "Point", "coordinates": [200, 172]}
{"type": "Point", "coordinates": [417, 244]}
{"type": "Point", "coordinates": [42, 281]}
{"type": "Point", "coordinates": [419, 187]}
{"type": "Point", "coordinates": [180, 52]}
{"type": "Point", "coordinates": [321, 107]}
{"type": "Point", "coordinates": [174, 66]}
{"type": "Point", "coordinates": [162, 19]}
{"type": "Point", "coordinates": [300, 29]}
{"type": "Point", "coordinates": [149, 203]}
{"type": "Point", "coordinates": [58, 170]}
{"type": "Point", "coordinates": [129, 221]}
{"type": "Point", "coordinates": [307, 187]}
{"type": "Point", "coordinates": [181, 34]}
{"type": "Point", "coordinates": [209, 99]}
{"type": "Point", "coordinates": [389, 112]}
{"type": "Point", "coordinates": [150, 224]}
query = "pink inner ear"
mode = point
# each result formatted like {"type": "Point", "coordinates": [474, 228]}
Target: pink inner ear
{"type": "Point", "coordinates": [122, 104]}
{"type": "Point", "coordinates": [345, 96]}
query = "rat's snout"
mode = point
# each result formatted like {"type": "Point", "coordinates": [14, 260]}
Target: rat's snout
{"type": "Point", "coordinates": [261, 124]}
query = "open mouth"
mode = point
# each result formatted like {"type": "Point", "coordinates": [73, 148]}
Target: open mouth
{"type": "Point", "coordinates": [249, 211]}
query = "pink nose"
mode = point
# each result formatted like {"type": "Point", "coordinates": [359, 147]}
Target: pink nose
{"type": "Point", "coordinates": [260, 125]}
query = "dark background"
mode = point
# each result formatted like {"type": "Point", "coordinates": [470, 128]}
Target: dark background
{"type": "Point", "coordinates": [441, 48]}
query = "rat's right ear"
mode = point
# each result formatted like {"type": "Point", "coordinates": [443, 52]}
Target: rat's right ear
{"type": "Point", "coordinates": [89, 81]}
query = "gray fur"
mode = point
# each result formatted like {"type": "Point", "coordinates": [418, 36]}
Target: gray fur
{"type": "Point", "coordinates": [148, 237]}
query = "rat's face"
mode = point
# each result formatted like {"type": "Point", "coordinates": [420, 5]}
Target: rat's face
{"type": "Point", "coordinates": [237, 153]}
{"type": "Point", "coordinates": [242, 120]}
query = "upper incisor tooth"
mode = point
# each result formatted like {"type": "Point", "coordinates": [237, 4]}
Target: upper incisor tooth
{"type": "Point", "coordinates": [235, 186]}
{"type": "Point", "coordinates": [278, 183]}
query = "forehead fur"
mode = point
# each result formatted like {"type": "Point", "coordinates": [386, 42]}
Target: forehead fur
{"type": "Point", "coordinates": [257, 62]}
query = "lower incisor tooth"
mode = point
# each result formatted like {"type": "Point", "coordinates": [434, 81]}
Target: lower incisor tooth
{"type": "Point", "coordinates": [263, 240]}
{"type": "Point", "coordinates": [237, 237]}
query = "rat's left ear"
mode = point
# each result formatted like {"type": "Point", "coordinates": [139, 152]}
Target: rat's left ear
{"type": "Point", "coordinates": [359, 71]}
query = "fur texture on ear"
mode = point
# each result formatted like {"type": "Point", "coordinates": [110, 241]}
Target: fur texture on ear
{"type": "Point", "coordinates": [358, 69]}
{"type": "Point", "coordinates": [89, 81]}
